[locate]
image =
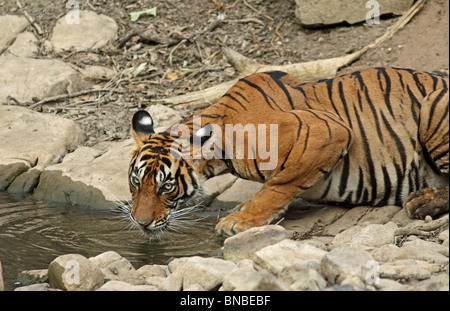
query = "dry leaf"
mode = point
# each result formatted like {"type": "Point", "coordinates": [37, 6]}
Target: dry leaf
{"type": "Point", "coordinates": [172, 76]}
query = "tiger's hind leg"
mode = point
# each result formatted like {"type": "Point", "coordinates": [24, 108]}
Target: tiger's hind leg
{"type": "Point", "coordinates": [434, 137]}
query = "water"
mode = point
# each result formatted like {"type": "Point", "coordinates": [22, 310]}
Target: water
{"type": "Point", "coordinates": [34, 233]}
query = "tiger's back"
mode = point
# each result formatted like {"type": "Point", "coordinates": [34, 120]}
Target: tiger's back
{"type": "Point", "coordinates": [381, 105]}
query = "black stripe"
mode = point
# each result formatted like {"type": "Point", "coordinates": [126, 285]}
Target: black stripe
{"type": "Point", "coordinates": [260, 90]}
{"type": "Point", "coordinates": [360, 186]}
{"type": "Point", "coordinates": [371, 106]}
{"type": "Point", "coordinates": [432, 110]}
{"type": "Point", "coordinates": [370, 164]}
{"type": "Point", "coordinates": [419, 85]}
{"type": "Point", "coordinates": [234, 99]}
{"type": "Point", "coordinates": [276, 75]}
{"type": "Point", "coordinates": [398, 141]}
{"type": "Point", "coordinates": [327, 189]}
{"type": "Point", "coordinates": [243, 97]}
{"type": "Point", "coordinates": [387, 91]}
{"type": "Point", "coordinates": [398, 195]}
{"type": "Point", "coordinates": [223, 104]}
{"type": "Point", "coordinates": [299, 123]}
{"type": "Point", "coordinates": [344, 177]}
{"type": "Point", "coordinates": [258, 172]}
{"type": "Point", "coordinates": [344, 103]}
{"type": "Point", "coordinates": [414, 102]}
{"type": "Point", "coordinates": [300, 88]}
{"type": "Point", "coordinates": [329, 84]}
{"type": "Point", "coordinates": [387, 187]}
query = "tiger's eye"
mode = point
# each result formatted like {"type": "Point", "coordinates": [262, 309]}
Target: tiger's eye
{"type": "Point", "coordinates": [168, 187]}
{"type": "Point", "coordinates": [135, 180]}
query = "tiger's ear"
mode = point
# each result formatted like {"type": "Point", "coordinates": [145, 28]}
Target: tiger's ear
{"type": "Point", "coordinates": [202, 135]}
{"type": "Point", "coordinates": [142, 127]}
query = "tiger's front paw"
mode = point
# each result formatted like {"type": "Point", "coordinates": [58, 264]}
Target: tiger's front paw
{"type": "Point", "coordinates": [235, 223]}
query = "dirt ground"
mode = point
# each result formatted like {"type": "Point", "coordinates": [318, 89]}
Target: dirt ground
{"type": "Point", "coordinates": [188, 57]}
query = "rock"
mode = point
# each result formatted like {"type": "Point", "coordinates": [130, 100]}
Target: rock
{"type": "Point", "coordinates": [88, 177]}
{"type": "Point", "coordinates": [443, 235]}
{"type": "Point", "coordinates": [29, 277]}
{"type": "Point", "coordinates": [206, 272]}
{"type": "Point", "coordinates": [25, 45]}
{"type": "Point", "coordinates": [416, 249]}
{"type": "Point", "coordinates": [368, 237]}
{"type": "Point", "coordinates": [262, 281]}
{"type": "Point", "coordinates": [2, 285]}
{"type": "Point", "coordinates": [348, 220]}
{"type": "Point", "coordinates": [97, 72]}
{"type": "Point", "coordinates": [237, 278]}
{"type": "Point", "coordinates": [104, 259]}
{"type": "Point", "coordinates": [304, 221]}
{"type": "Point", "coordinates": [390, 285]}
{"type": "Point", "coordinates": [74, 272]}
{"type": "Point", "coordinates": [26, 181]}
{"type": "Point", "coordinates": [28, 78]}
{"type": "Point", "coordinates": [11, 26]}
{"type": "Point", "coordinates": [341, 264]}
{"type": "Point", "coordinates": [42, 287]}
{"type": "Point", "coordinates": [31, 139]}
{"type": "Point", "coordinates": [380, 215]}
{"type": "Point", "coordinates": [286, 253]}
{"type": "Point", "coordinates": [316, 13]}
{"type": "Point", "coordinates": [407, 270]}
{"type": "Point", "coordinates": [92, 31]}
{"type": "Point", "coordinates": [244, 244]}
{"type": "Point", "coordinates": [302, 276]}
{"type": "Point", "coordinates": [115, 285]}
{"type": "Point", "coordinates": [438, 282]}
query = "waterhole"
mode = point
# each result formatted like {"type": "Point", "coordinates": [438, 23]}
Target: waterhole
{"type": "Point", "coordinates": [33, 233]}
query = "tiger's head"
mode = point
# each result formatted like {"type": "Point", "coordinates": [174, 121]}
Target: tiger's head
{"type": "Point", "coordinates": [160, 179]}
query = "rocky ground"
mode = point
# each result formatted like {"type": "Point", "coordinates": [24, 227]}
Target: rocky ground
{"type": "Point", "coordinates": [68, 94]}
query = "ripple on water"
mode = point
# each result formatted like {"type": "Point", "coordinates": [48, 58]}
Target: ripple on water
{"type": "Point", "coordinates": [33, 233]}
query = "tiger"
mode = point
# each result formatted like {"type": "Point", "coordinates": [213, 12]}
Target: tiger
{"type": "Point", "coordinates": [373, 137]}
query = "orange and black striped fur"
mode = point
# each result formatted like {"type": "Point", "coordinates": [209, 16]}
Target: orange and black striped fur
{"type": "Point", "coordinates": [374, 137]}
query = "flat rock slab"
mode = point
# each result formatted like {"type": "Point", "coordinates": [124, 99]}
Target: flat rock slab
{"type": "Point", "coordinates": [31, 139]}
{"type": "Point", "coordinates": [89, 31]}
{"type": "Point", "coordinates": [28, 78]}
{"type": "Point", "coordinates": [317, 13]}
{"type": "Point", "coordinates": [10, 26]}
{"type": "Point", "coordinates": [88, 177]}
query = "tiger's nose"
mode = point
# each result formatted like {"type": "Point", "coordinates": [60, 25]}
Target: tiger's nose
{"type": "Point", "coordinates": [143, 223]}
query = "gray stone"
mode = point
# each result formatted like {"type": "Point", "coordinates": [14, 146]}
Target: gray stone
{"type": "Point", "coordinates": [380, 215]}
{"type": "Point", "coordinates": [438, 282]}
{"type": "Point", "coordinates": [115, 285]}
{"type": "Point", "coordinates": [88, 177]}
{"type": "Point", "coordinates": [286, 253]}
{"type": "Point", "coordinates": [408, 270]}
{"type": "Point", "coordinates": [11, 26]}
{"type": "Point", "coordinates": [348, 220]}
{"type": "Point", "coordinates": [32, 140]}
{"type": "Point", "coordinates": [315, 13]}
{"type": "Point", "coordinates": [338, 265]}
{"type": "Point", "coordinates": [237, 278]}
{"type": "Point", "coordinates": [317, 216]}
{"type": "Point", "coordinates": [443, 235]}
{"type": "Point", "coordinates": [368, 237]}
{"type": "Point", "coordinates": [244, 244]}
{"type": "Point", "coordinates": [206, 272]}
{"type": "Point", "coordinates": [29, 277]}
{"type": "Point", "coordinates": [262, 281]}
{"type": "Point", "coordinates": [28, 78]}
{"type": "Point", "coordinates": [42, 287]}
{"type": "Point", "coordinates": [92, 31]}
{"type": "Point", "coordinates": [24, 46]}
{"type": "Point", "coordinates": [303, 276]}
{"type": "Point", "coordinates": [416, 249]}
{"type": "Point", "coordinates": [74, 272]}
